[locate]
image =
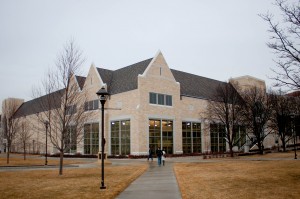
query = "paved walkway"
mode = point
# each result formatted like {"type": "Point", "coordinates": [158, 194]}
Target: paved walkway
{"type": "Point", "coordinates": [158, 182]}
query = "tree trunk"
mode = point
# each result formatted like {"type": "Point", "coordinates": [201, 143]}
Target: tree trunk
{"type": "Point", "coordinates": [230, 148]}
{"type": "Point", "coordinates": [283, 145]}
{"type": "Point", "coordinates": [231, 152]}
{"type": "Point", "coordinates": [260, 147]}
{"type": "Point", "coordinates": [61, 162]}
{"type": "Point", "coordinates": [24, 147]}
{"type": "Point", "coordinates": [7, 155]}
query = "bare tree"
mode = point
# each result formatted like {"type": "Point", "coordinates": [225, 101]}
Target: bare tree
{"type": "Point", "coordinates": [226, 108]}
{"type": "Point", "coordinates": [283, 107]}
{"type": "Point", "coordinates": [284, 42]}
{"type": "Point", "coordinates": [63, 103]}
{"type": "Point", "coordinates": [256, 114]}
{"type": "Point", "coordinates": [10, 124]}
{"type": "Point", "coordinates": [24, 135]}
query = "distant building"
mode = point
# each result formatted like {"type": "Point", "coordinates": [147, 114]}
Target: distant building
{"type": "Point", "coordinates": [159, 107]}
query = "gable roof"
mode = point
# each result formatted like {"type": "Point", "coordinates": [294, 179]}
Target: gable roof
{"type": "Point", "coordinates": [126, 79]}
{"type": "Point", "coordinates": [123, 79]}
{"type": "Point", "coordinates": [196, 86]}
{"type": "Point", "coordinates": [41, 104]}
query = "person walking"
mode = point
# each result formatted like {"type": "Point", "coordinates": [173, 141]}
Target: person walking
{"type": "Point", "coordinates": [159, 154]}
{"type": "Point", "coordinates": [163, 157]}
{"type": "Point", "coordinates": [150, 154]}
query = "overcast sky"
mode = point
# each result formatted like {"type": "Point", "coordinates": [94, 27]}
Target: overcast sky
{"type": "Point", "coordinates": [218, 39]}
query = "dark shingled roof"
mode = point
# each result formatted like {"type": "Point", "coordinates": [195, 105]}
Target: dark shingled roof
{"type": "Point", "coordinates": [106, 75]}
{"type": "Point", "coordinates": [126, 79]}
{"type": "Point", "coordinates": [123, 79]}
{"type": "Point", "coordinates": [80, 80]}
{"type": "Point", "coordinates": [40, 104]}
{"type": "Point", "coordinates": [196, 86]}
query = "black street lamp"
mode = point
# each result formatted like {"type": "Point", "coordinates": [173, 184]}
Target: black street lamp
{"type": "Point", "coordinates": [102, 94]}
{"type": "Point", "coordinates": [294, 133]}
{"type": "Point", "coordinates": [46, 125]}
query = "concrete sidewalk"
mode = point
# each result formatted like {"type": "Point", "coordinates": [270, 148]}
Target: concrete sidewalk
{"type": "Point", "coordinates": [157, 182]}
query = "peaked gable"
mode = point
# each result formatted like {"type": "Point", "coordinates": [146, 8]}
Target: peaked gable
{"type": "Point", "coordinates": [159, 68]}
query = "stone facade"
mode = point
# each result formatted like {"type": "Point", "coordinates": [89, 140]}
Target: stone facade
{"type": "Point", "coordinates": [133, 105]}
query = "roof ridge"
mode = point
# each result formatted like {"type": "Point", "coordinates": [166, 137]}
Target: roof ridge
{"type": "Point", "coordinates": [126, 66]}
{"type": "Point", "coordinates": [197, 75]}
{"type": "Point", "coordinates": [36, 105]}
{"type": "Point", "coordinates": [135, 64]}
{"type": "Point", "coordinates": [45, 95]}
{"type": "Point", "coordinates": [105, 69]}
{"type": "Point", "coordinates": [80, 76]}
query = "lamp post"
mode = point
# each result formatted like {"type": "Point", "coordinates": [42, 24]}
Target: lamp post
{"type": "Point", "coordinates": [294, 133]}
{"type": "Point", "coordinates": [102, 94]}
{"type": "Point", "coordinates": [46, 125]}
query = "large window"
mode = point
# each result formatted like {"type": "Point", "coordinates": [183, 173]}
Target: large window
{"type": "Point", "coordinates": [217, 138]}
{"type": "Point", "coordinates": [191, 137]}
{"type": "Point", "coordinates": [160, 99]}
{"type": "Point", "coordinates": [71, 140]}
{"type": "Point", "coordinates": [91, 138]}
{"type": "Point", "coordinates": [120, 137]}
{"type": "Point", "coordinates": [161, 135]}
{"type": "Point", "coordinates": [91, 105]}
{"type": "Point", "coordinates": [240, 136]}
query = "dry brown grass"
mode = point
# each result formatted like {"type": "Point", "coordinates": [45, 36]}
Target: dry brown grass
{"type": "Point", "coordinates": [75, 183]}
{"type": "Point", "coordinates": [239, 179]}
{"type": "Point", "coordinates": [18, 160]}
{"type": "Point", "coordinates": [285, 155]}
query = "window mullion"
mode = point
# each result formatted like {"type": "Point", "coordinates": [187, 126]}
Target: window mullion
{"type": "Point", "coordinates": [192, 143]}
{"type": "Point", "coordinates": [161, 136]}
{"type": "Point", "coordinates": [91, 139]}
{"type": "Point", "coordinates": [120, 142]}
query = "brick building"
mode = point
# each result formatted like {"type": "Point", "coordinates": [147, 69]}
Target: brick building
{"type": "Point", "coordinates": [155, 106]}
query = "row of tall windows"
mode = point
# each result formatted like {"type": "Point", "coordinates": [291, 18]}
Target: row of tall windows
{"type": "Point", "coordinates": [120, 137]}
{"type": "Point", "coordinates": [70, 140]}
{"type": "Point", "coordinates": [91, 138]}
{"type": "Point", "coordinates": [191, 137]}
{"type": "Point", "coordinates": [161, 135]}
{"type": "Point", "coordinates": [240, 137]}
{"type": "Point", "coordinates": [160, 99]}
{"type": "Point", "coordinates": [217, 138]}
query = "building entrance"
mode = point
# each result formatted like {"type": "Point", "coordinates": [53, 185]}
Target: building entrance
{"type": "Point", "coordinates": [161, 135]}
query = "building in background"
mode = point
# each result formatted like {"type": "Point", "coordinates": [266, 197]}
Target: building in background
{"type": "Point", "coordinates": [152, 106]}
